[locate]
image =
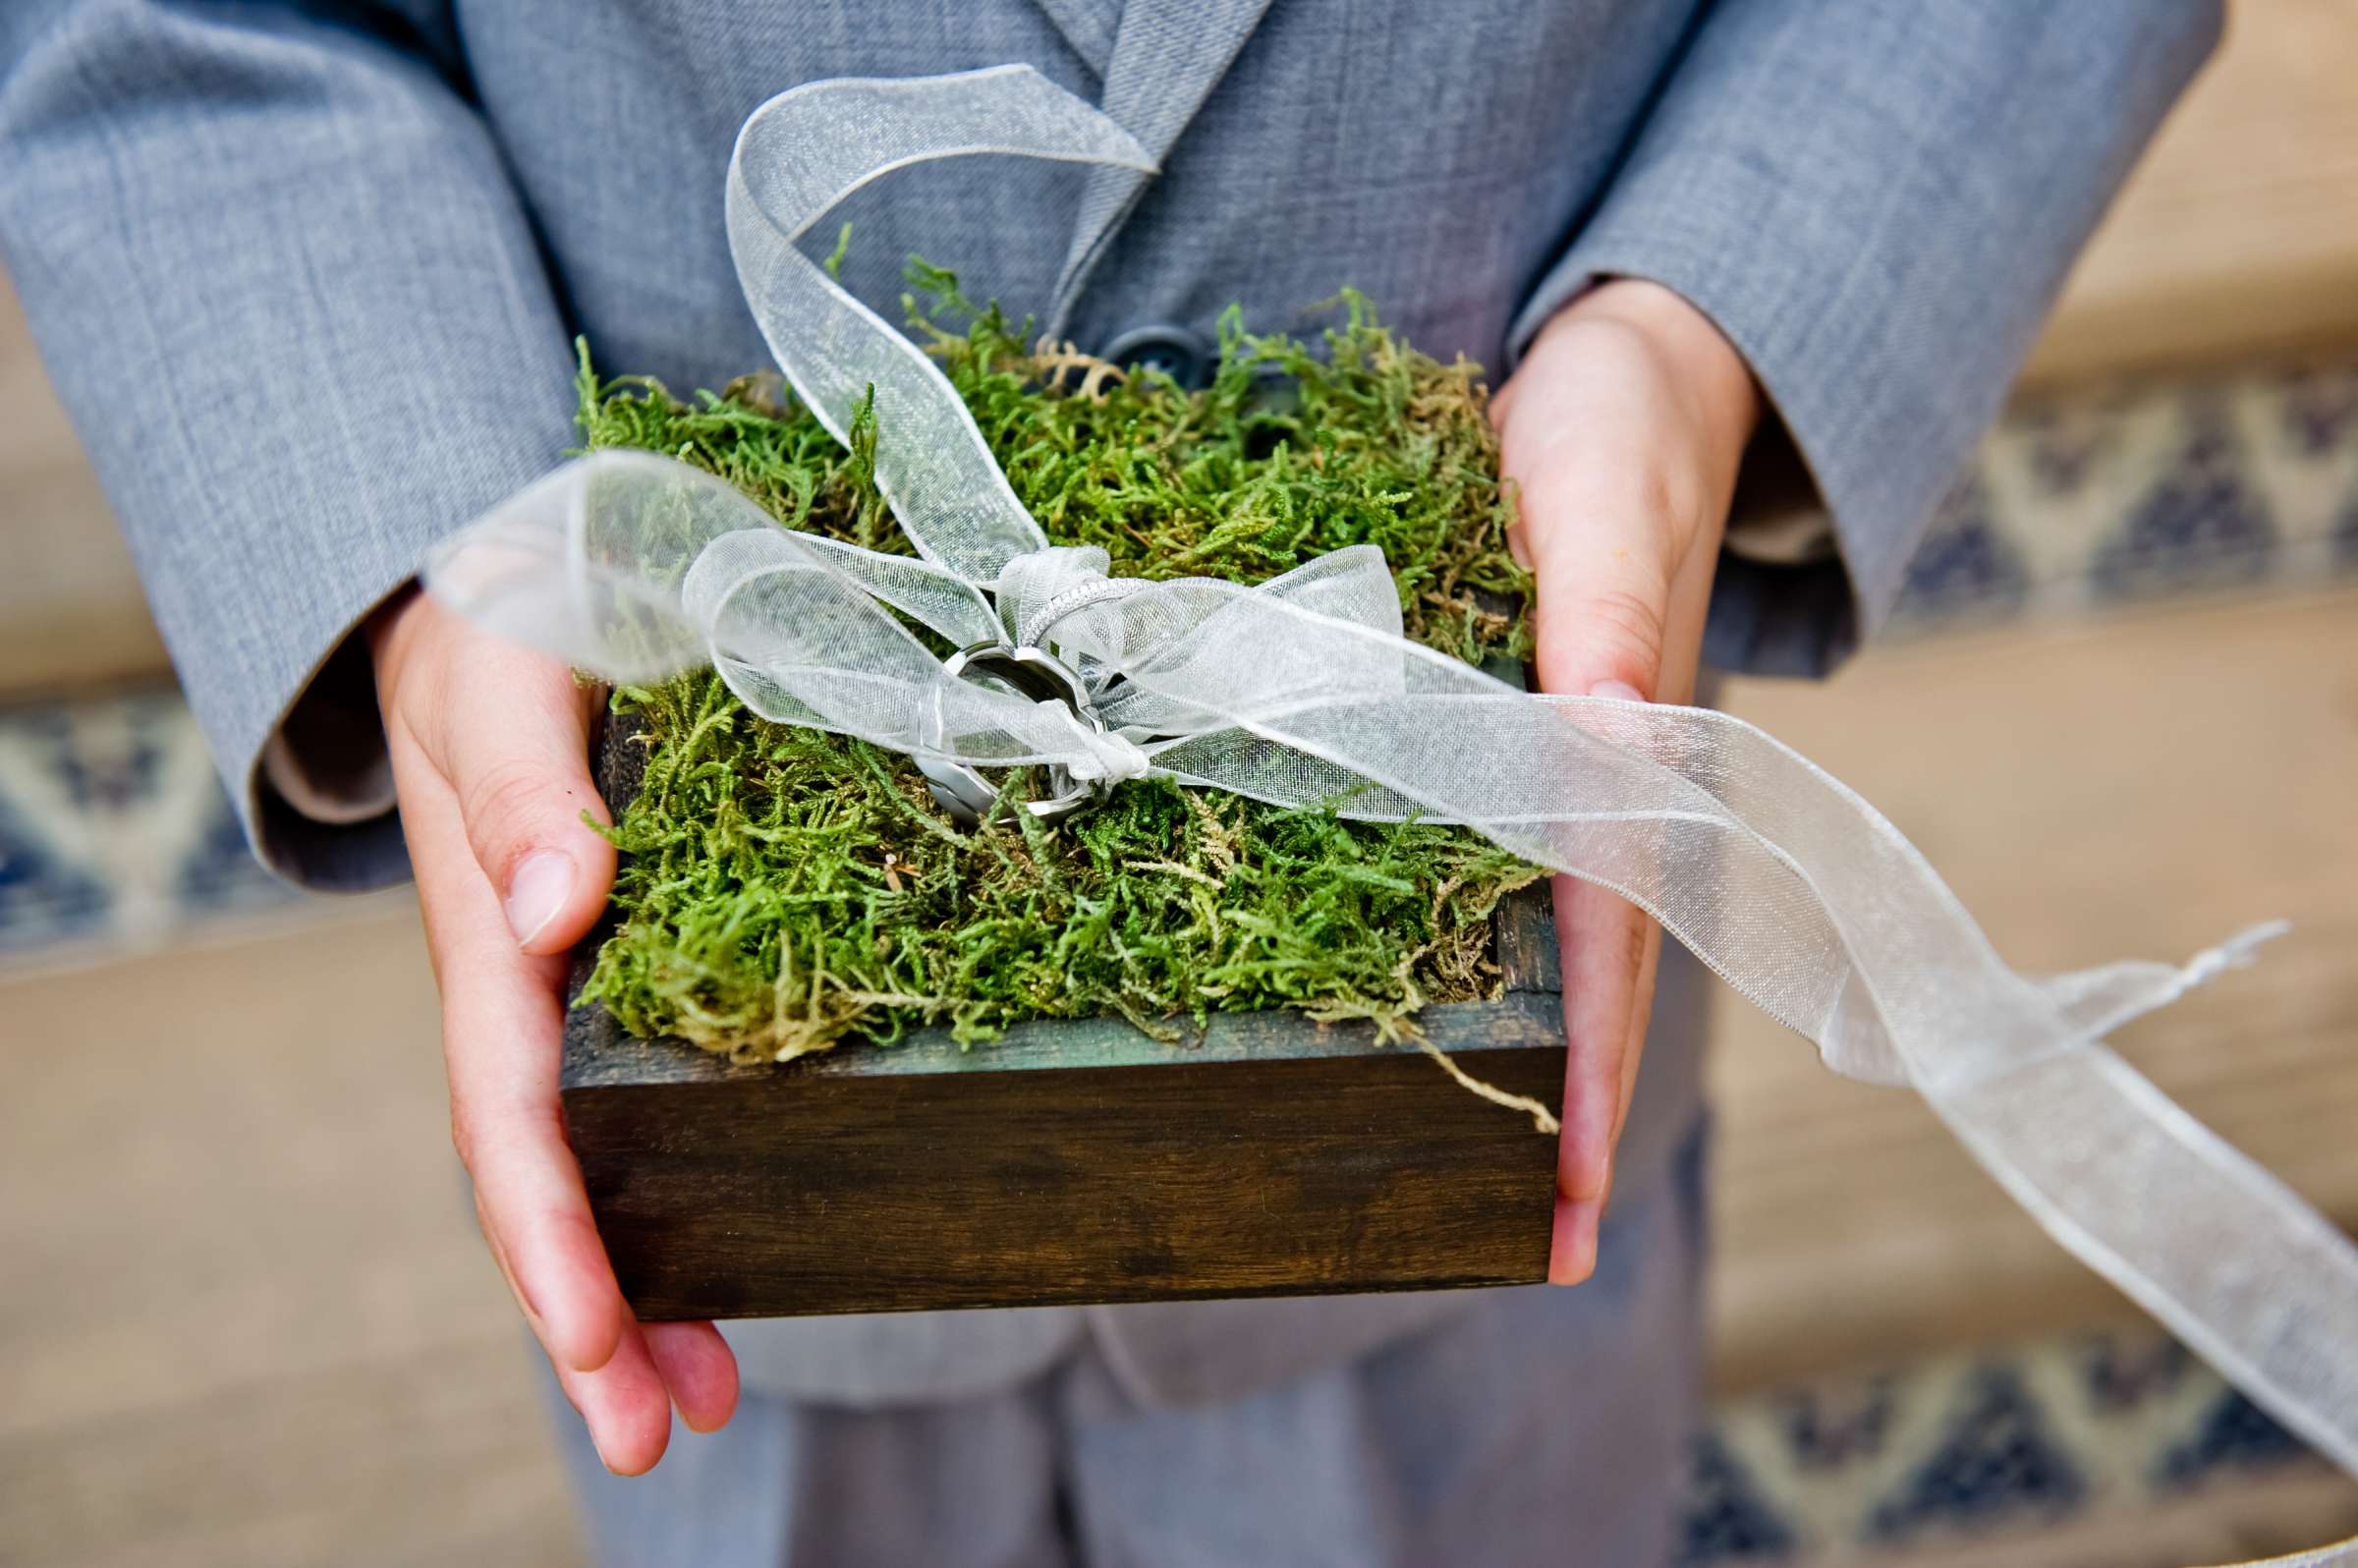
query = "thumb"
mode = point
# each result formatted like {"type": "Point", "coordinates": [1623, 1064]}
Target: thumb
{"type": "Point", "coordinates": [520, 768]}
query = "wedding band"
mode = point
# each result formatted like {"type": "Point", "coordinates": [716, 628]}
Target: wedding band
{"type": "Point", "coordinates": [1028, 672]}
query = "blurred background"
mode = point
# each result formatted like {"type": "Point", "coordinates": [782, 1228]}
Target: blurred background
{"type": "Point", "coordinates": [245, 1318]}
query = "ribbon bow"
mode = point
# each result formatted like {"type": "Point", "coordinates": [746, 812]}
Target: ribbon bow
{"type": "Point", "coordinates": [1303, 690]}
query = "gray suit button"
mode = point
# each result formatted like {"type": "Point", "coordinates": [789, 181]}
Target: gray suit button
{"type": "Point", "coordinates": [1184, 357]}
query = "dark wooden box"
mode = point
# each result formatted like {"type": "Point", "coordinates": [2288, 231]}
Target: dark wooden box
{"type": "Point", "coordinates": [1070, 1161]}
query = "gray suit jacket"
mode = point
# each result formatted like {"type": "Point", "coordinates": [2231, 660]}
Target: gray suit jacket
{"type": "Point", "coordinates": [306, 276]}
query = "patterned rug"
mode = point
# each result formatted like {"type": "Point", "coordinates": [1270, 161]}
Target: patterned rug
{"type": "Point", "coordinates": [2139, 492]}
{"type": "Point", "coordinates": [115, 837]}
{"type": "Point", "coordinates": [2124, 1441]}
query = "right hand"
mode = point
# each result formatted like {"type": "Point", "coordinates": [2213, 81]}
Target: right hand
{"type": "Point", "coordinates": [1622, 431]}
{"type": "Point", "coordinates": [491, 761]}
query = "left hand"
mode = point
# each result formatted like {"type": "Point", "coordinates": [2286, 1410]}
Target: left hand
{"type": "Point", "coordinates": [490, 748]}
{"type": "Point", "coordinates": [1622, 431]}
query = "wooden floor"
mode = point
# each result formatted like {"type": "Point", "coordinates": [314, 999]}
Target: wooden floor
{"type": "Point", "coordinates": [243, 1319]}
{"type": "Point", "coordinates": [243, 1316]}
{"type": "Point", "coordinates": [2237, 235]}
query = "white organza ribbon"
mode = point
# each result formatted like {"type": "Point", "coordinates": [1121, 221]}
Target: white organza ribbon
{"type": "Point", "coordinates": [1303, 690]}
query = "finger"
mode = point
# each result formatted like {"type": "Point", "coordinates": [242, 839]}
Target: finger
{"type": "Point", "coordinates": [1603, 948]}
{"type": "Point", "coordinates": [1603, 626]}
{"type": "Point", "coordinates": [1600, 1079]}
{"type": "Point", "coordinates": [623, 1405]}
{"type": "Point", "coordinates": [1690, 602]}
{"type": "Point", "coordinates": [501, 1032]}
{"type": "Point", "coordinates": [1572, 1240]}
{"type": "Point", "coordinates": [1683, 621]}
{"type": "Point", "coordinates": [520, 767]}
{"type": "Point", "coordinates": [1608, 948]}
{"type": "Point", "coordinates": [1603, 611]}
{"type": "Point", "coordinates": [1641, 1018]}
{"type": "Point", "coordinates": [699, 1369]}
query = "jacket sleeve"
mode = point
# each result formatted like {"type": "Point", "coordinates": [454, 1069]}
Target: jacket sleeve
{"type": "Point", "coordinates": [1876, 202]}
{"type": "Point", "coordinates": [273, 262]}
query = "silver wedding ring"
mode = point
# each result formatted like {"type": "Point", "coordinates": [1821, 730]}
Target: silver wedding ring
{"type": "Point", "coordinates": [1026, 672]}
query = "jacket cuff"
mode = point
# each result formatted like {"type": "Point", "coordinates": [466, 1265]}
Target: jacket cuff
{"type": "Point", "coordinates": [1877, 209]}
{"type": "Point", "coordinates": [319, 803]}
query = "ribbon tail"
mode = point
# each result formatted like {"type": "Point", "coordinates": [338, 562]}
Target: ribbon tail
{"type": "Point", "coordinates": [2226, 1257]}
{"type": "Point", "coordinates": [1810, 902]}
{"type": "Point", "coordinates": [2098, 1001]}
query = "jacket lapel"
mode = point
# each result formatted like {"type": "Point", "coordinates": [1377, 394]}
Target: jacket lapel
{"type": "Point", "coordinates": [1167, 56]}
{"type": "Point", "coordinates": [1089, 25]}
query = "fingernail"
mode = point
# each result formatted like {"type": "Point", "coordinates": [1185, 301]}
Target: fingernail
{"type": "Point", "coordinates": [537, 892]}
{"type": "Point", "coordinates": [1572, 1251]}
{"type": "Point", "coordinates": [1620, 691]}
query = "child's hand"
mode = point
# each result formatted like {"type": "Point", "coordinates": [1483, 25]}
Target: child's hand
{"type": "Point", "coordinates": [1622, 431]}
{"type": "Point", "coordinates": [491, 748]}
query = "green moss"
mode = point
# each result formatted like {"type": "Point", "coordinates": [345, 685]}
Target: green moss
{"type": "Point", "coordinates": [783, 889]}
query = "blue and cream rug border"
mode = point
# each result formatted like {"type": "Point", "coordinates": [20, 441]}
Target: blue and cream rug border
{"type": "Point", "coordinates": [1976, 1455]}
{"type": "Point", "coordinates": [115, 833]}
{"type": "Point", "coordinates": [2147, 491]}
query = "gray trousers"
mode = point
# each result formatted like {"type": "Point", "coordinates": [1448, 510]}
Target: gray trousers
{"type": "Point", "coordinates": [1545, 1425]}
